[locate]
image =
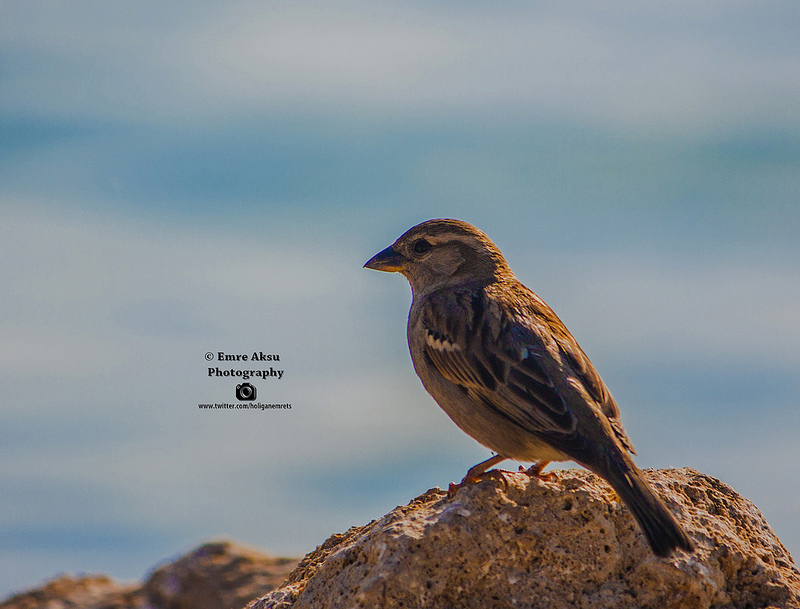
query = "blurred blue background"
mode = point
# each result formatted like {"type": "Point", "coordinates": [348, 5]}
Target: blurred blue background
{"type": "Point", "coordinates": [178, 178]}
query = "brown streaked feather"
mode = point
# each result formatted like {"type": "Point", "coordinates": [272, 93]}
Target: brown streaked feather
{"type": "Point", "coordinates": [511, 375]}
{"type": "Point", "coordinates": [533, 312]}
{"type": "Point", "coordinates": [523, 394]}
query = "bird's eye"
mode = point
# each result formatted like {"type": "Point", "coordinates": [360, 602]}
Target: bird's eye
{"type": "Point", "coordinates": [421, 246]}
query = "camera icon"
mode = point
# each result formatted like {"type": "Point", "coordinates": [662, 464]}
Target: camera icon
{"type": "Point", "coordinates": [245, 392]}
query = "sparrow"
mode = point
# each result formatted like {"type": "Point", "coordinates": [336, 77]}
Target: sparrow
{"type": "Point", "coordinates": [507, 371]}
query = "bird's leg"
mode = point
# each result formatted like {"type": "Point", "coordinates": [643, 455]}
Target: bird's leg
{"type": "Point", "coordinates": [476, 472]}
{"type": "Point", "coordinates": [535, 471]}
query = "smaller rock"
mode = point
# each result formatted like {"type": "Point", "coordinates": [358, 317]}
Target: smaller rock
{"type": "Point", "coordinates": [84, 592]}
{"type": "Point", "coordinates": [218, 575]}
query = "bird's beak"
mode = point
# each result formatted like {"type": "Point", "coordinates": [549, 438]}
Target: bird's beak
{"type": "Point", "coordinates": [388, 260]}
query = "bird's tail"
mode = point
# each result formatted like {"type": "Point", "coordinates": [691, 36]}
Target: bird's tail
{"type": "Point", "coordinates": [662, 530]}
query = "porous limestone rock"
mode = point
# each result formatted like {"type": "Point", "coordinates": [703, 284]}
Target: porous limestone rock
{"type": "Point", "coordinates": [554, 544]}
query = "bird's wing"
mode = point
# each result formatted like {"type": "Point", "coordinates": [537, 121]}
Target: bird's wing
{"type": "Point", "coordinates": [585, 372]}
{"type": "Point", "coordinates": [510, 357]}
{"type": "Point", "coordinates": [502, 364]}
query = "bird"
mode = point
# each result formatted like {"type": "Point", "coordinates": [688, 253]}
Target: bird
{"type": "Point", "coordinates": [508, 372]}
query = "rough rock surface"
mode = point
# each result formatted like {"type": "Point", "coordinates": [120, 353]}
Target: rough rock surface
{"type": "Point", "coordinates": [218, 575]}
{"type": "Point", "coordinates": [565, 543]}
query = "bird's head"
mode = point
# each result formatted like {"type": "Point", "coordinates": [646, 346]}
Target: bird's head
{"type": "Point", "coordinates": [442, 253]}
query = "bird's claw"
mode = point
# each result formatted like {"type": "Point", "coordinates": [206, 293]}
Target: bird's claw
{"type": "Point", "coordinates": [535, 471]}
{"type": "Point", "coordinates": [494, 474]}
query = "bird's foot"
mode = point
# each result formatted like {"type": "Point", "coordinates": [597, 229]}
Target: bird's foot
{"type": "Point", "coordinates": [478, 472]}
{"type": "Point", "coordinates": [535, 471]}
{"type": "Point", "coordinates": [494, 474]}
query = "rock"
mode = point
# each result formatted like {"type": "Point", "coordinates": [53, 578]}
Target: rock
{"type": "Point", "coordinates": [85, 592]}
{"type": "Point", "coordinates": [218, 575]}
{"type": "Point", "coordinates": [564, 543]}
